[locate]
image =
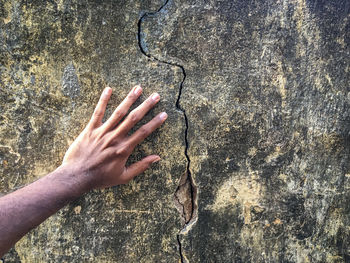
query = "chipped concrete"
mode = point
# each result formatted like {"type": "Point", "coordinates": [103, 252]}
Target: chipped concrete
{"type": "Point", "coordinates": [70, 82]}
{"type": "Point", "coordinates": [265, 114]}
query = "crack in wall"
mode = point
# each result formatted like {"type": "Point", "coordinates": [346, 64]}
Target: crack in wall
{"type": "Point", "coordinates": [185, 196]}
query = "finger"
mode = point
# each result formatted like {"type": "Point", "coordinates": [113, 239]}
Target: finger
{"type": "Point", "coordinates": [137, 114]}
{"type": "Point", "coordinates": [122, 109]}
{"type": "Point", "coordinates": [147, 129]}
{"type": "Point", "coordinates": [139, 167]}
{"type": "Point", "coordinates": [99, 112]}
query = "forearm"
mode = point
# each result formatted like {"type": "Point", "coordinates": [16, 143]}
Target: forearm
{"type": "Point", "coordinates": [27, 207]}
{"type": "Point", "coordinates": [102, 149]}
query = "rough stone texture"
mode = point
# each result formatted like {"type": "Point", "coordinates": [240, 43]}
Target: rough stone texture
{"type": "Point", "coordinates": [267, 100]}
{"type": "Point", "coordinates": [56, 57]}
{"type": "Point", "coordinates": [258, 97]}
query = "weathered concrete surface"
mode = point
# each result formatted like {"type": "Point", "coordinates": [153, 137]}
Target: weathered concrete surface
{"type": "Point", "coordinates": [260, 129]}
{"type": "Point", "coordinates": [267, 100]}
{"type": "Point", "coordinates": [56, 58]}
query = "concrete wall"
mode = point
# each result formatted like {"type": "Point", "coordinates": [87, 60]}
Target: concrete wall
{"type": "Point", "coordinates": [256, 148]}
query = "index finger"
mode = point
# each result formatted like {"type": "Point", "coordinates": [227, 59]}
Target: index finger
{"type": "Point", "coordinates": [99, 112]}
{"type": "Point", "coordinates": [122, 108]}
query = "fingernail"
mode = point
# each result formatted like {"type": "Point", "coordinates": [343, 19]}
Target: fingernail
{"type": "Point", "coordinates": [163, 116]}
{"type": "Point", "coordinates": [155, 97]}
{"type": "Point", "coordinates": [108, 91]}
{"type": "Point", "coordinates": [137, 90]}
{"type": "Point", "coordinates": [156, 160]}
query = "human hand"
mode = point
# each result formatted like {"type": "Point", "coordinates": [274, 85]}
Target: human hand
{"type": "Point", "coordinates": [100, 152]}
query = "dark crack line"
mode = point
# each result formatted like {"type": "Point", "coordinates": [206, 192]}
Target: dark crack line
{"type": "Point", "coordinates": [180, 248]}
{"type": "Point", "coordinates": [179, 94]}
{"type": "Point", "coordinates": [178, 106]}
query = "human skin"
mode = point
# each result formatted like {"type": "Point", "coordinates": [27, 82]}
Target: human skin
{"type": "Point", "coordinates": [95, 160]}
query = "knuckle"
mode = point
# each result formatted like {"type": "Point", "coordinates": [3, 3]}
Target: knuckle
{"type": "Point", "coordinates": [104, 99]}
{"type": "Point", "coordinates": [123, 150]}
{"type": "Point", "coordinates": [98, 113]}
{"type": "Point", "coordinates": [144, 131]}
{"type": "Point", "coordinates": [122, 113]}
{"type": "Point", "coordinates": [118, 114]}
{"type": "Point", "coordinates": [134, 116]}
{"type": "Point", "coordinates": [150, 102]}
{"type": "Point", "coordinates": [98, 135]}
{"type": "Point", "coordinates": [133, 96]}
{"type": "Point", "coordinates": [86, 135]}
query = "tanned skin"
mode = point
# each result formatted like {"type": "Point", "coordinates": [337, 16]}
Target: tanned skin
{"type": "Point", "coordinates": [95, 160]}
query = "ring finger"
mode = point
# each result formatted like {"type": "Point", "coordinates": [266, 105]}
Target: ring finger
{"type": "Point", "coordinates": [145, 130]}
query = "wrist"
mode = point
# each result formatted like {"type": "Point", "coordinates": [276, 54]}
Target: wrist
{"type": "Point", "coordinates": [74, 178]}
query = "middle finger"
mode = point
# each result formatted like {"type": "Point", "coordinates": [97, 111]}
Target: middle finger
{"type": "Point", "coordinates": [137, 114]}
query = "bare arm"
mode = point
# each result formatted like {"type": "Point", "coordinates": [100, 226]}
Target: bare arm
{"type": "Point", "coordinates": [96, 159]}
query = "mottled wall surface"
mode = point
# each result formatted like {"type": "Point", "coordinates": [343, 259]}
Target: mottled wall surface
{"type": "Point", "coordinates": [256, 150]}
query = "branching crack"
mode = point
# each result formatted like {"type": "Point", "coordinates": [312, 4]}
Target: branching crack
{"type": "Point", "coordinates": [185, 196]}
